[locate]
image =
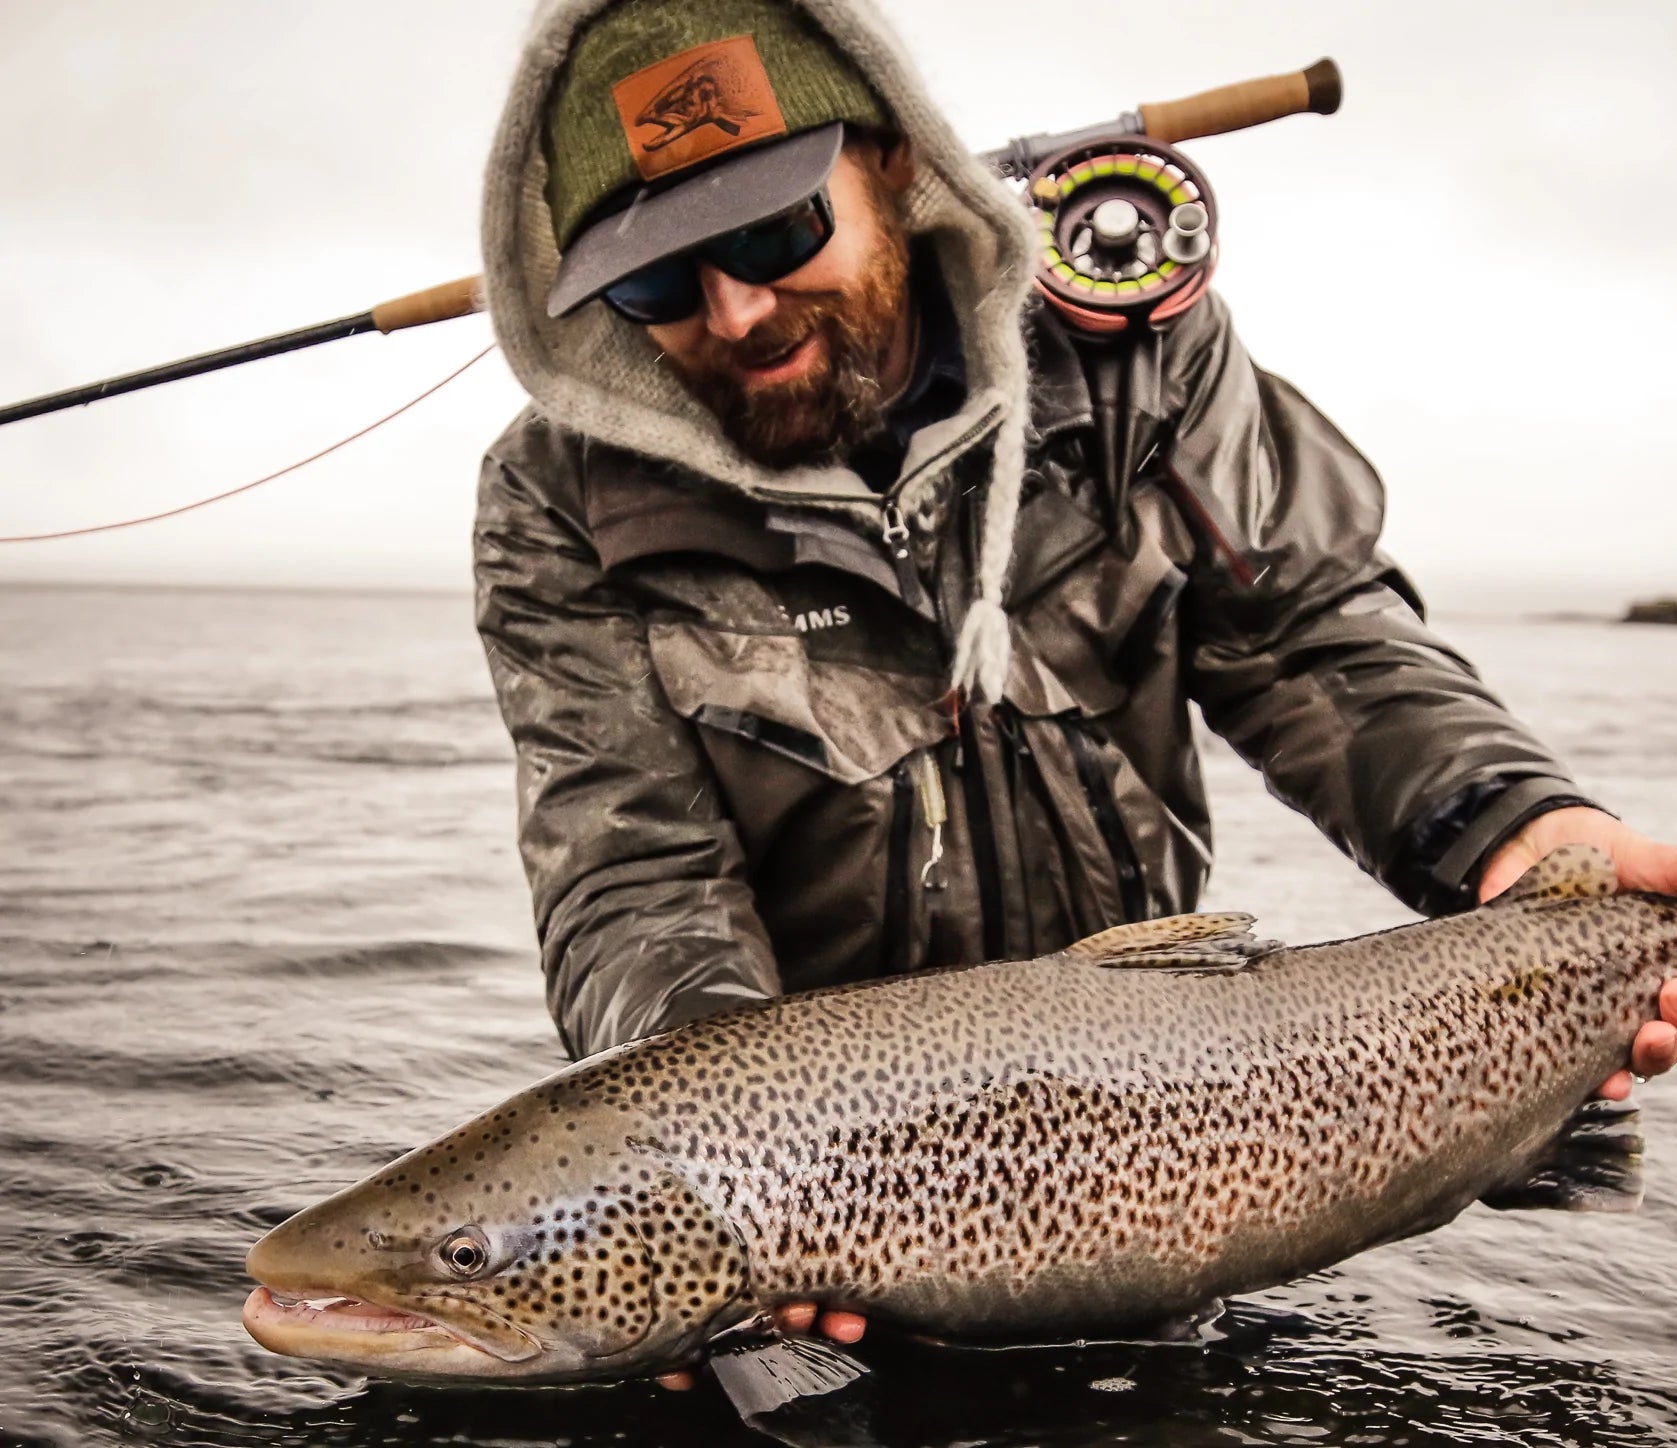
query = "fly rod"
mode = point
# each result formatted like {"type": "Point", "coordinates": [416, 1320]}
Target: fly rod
{"type": "Point", "coordinates": [1210, 113]}
{"type": "Point", "coordinates": [435, 304]}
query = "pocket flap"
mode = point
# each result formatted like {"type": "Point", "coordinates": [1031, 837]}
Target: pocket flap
{"type": "Point", "coordinates": [848, 722]}
{"type": "Point", "coordinates": [1099, 630]}
{"type": "Point", "coordinates": [1052, 536]}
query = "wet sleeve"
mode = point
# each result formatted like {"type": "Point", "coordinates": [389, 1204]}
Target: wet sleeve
{"type": "Point", "coordinates": [637, 878]}
{"type": "Point", "coordinates": [1310, 652]}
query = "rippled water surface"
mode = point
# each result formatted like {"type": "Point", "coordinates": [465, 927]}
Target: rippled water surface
{"type": "Point", "coordinates": [262, 926]}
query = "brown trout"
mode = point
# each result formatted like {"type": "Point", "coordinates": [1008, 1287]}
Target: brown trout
{"type": "Point", "coordinates": [1080, 1145]}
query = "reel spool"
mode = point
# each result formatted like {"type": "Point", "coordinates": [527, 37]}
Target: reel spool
{"type": "Point", "coordinates": [1129, 233]}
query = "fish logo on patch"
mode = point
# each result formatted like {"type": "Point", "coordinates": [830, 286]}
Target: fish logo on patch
{"type": "Point", "coordinates": [696, 105]}
{"type": "Point", "coordinates": [696, 98]}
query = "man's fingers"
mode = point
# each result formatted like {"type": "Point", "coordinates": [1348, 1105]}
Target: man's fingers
{"type": "Point", "coordinates": [1653, 1052]}
{"type": "Point", "coordinates": [795, 1316]}
{"type": "Point", "coordinates": [1655, 1049]}
{"type": "Point", "coordinates": [1646, 864]}
{"type": "Point", "coordinates": [1668, 1001]}
{"type": "Point", "coordinates": [843, 1326]}
{"type": "Point", "coordinates": [1616, 1087]}
{"type": "Point", "coordinates": [1514, 860]}
{"type": "Point", "coordinates": [679, 1382]}
{"type": "Point", "coordinates": [807, 1317]}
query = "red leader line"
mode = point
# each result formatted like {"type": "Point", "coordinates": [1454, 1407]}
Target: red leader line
{"type": "Point", "coordinates": [234, 492]}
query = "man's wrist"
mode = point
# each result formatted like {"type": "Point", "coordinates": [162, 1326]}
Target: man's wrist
{"type": "Point", "coordinates": [1449, 850]}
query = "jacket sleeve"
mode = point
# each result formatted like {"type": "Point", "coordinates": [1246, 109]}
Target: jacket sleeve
{"type": "Point", "coordinates": [1310, 653]}
{"type": "Point", "coordinates": [637, 877]}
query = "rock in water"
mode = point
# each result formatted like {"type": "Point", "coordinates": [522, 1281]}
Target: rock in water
{"type": "Point", "coordinates": [1653, 610]}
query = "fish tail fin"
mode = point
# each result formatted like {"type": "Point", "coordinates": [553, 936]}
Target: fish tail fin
{"type": "Point", "coordinates": [1593, 1165]}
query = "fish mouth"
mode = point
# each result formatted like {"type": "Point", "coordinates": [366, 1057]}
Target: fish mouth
{"type": "Point", "coordinates": [356, 1333]}
{"type": "Point", "coordinates": [338, 1327]}
{"type": "Point", "coordinates": [329, 1326]}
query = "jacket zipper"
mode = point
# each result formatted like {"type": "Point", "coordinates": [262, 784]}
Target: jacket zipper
{"type": "Point", "coordinates": [981, 831]}
{"type": "Point", "coordinates": [893, 943]}
{"type": "Point", "coordinates": [897, 550]}
{"type": "Point", "coordinates": [894, 533]}
{"type": "Point", "coordinates": [965, 440]}
{"type": "Point", "coordinates": [1132, 889]}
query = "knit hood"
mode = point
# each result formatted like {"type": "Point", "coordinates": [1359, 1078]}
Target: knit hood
{"type": "Point", "coordinates": [600, 376]}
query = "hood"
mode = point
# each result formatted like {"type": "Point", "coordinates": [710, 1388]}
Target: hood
{"type": "Point", "coordinates": [598, 375]}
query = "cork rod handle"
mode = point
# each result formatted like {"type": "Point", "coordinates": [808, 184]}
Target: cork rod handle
{"type": "Point", "coordinates": [435, 304]}
{"type": "Point", "coordinates": [1248, 103]}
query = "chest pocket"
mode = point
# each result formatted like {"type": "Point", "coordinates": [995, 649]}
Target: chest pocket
{"type": "Point", "coordinates": [845, 721]}
{"type": "Point", "coordinates": [812, 756]}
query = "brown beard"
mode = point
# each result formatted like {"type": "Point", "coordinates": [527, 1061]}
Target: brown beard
{"type": "Point", "coordinates": [839, 401]}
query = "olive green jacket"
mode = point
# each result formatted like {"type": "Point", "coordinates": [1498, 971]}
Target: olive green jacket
{"type": "Point", "coordinates": [737, 760]}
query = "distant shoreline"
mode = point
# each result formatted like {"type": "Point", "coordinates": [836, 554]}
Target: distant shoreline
{"type": "Point", "coordinates": [333, 590]}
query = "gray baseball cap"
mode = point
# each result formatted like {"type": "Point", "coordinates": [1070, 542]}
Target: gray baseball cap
{"type": "Point", "coordinates": [662, 220]}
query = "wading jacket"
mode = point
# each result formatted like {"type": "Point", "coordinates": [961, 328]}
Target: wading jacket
{"type": "Point", "coordinates": [739, 772]}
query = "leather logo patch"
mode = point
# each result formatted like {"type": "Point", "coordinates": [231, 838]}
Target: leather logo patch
{"type": "Point", "coordinates": [701, 103]}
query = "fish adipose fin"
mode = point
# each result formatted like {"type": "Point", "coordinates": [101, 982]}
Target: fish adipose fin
{"type": "Point", "coordinates": [1177, 942]}
{"type": "Point", "coordinates": [766, 1375]}
{"type": "Point", "coordinates": [1594, 1165]}
{"type": "Point", "coordinates": [1573, 872]}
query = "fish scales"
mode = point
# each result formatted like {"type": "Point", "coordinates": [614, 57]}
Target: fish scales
{"type": "Point", "coordinates": [1033, 1148]}
{"type": "Point", "coordinates": [1052, 1145]}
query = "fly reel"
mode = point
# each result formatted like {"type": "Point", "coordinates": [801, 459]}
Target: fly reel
{"type": "Point", "coordinates": [1128, 227]}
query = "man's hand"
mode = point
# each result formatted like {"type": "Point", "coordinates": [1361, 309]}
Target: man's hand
{"type": "Point", "coordinates": [794, 1317]}
{"type": "Point", "coordinates": [1643, 864]}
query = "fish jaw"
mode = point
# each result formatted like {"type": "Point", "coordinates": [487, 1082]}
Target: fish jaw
{"type": "Point", "coordinates": [331, 1306]}
{"type": "Point", "coordinates": [353, 1333]}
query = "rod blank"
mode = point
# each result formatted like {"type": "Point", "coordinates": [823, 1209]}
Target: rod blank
{"type": "Point", "coordinates": [434, 304]}
{"type": "Point", "coordinates": [189, 367]}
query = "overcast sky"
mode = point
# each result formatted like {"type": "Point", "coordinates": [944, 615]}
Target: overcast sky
{"type": "Point", "coordinates": [1471, 267]}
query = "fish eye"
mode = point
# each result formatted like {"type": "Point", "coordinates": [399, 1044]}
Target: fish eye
{"type": "Point", "coordinates": [465, 1253]}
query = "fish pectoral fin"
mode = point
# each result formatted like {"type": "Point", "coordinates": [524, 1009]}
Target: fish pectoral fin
{"type": "Point", "coordinates": [1177, 942]}
{"type": "Point", "coordinates": [764, 1376]}
{"type": "Point", "coordinates": [1573, 872]}
{"type": "Point", "coordinates": [1593, 1165]}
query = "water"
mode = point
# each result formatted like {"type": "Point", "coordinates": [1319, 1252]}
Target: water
{"type": "Point", "coordinates": [262, 926]}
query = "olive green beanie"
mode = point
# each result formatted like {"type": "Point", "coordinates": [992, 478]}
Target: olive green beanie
{"type": "Point", "coordinates": [587, 149]}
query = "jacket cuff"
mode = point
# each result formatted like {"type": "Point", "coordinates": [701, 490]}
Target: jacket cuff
{"type": "Point", "coordinates": [1452, 879]}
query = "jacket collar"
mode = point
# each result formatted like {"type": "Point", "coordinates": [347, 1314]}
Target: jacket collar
{"type": "Point", "coordinates": [638, 507]}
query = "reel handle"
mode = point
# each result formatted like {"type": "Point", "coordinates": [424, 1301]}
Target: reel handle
{"type": "Point", "coordinates": [1246, 103]}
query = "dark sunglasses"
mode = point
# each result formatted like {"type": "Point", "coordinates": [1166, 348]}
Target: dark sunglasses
{"type": "Point", "coordinates": [669, 290]}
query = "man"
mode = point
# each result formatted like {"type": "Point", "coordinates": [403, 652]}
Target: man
{"type": "Point", "coordinates": [804, 454]}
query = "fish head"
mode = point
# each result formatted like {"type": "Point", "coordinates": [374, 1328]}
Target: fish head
{"type": "Point", "coordinates": [532, 1244]}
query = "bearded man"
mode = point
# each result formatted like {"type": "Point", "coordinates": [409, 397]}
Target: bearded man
{"type": "Point", "coordinates": [838, 630]}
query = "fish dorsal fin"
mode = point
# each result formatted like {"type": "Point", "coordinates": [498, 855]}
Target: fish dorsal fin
{"type": "Point", "coordinates": [1176, 942]}
{"type": "Point", "coordinates": [1573, 872]}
